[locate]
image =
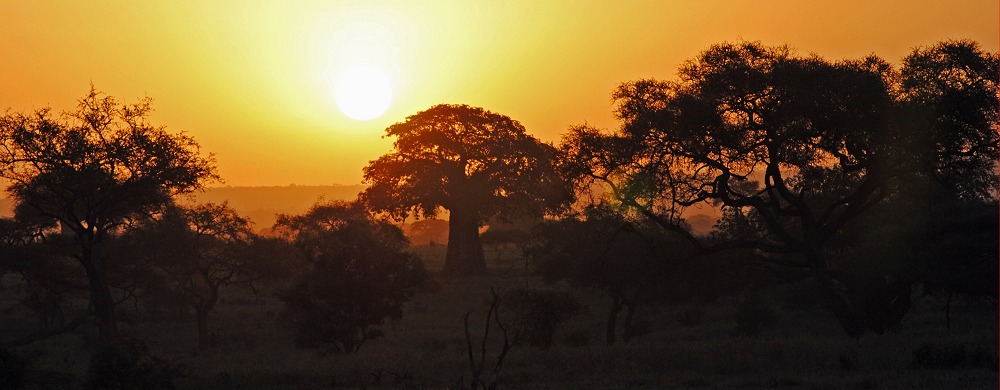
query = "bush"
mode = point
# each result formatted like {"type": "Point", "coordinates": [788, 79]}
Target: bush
{"type": "Point", "coordinates": [542, 313]}
{"type": "Point", "coordinates": [357, 276]}
{"type": "Point", "coordinates": [127, 364]}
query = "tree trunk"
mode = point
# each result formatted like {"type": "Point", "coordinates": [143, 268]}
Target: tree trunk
{"type": "Point", "coordinates": [465, 250]}
{"type": "Point", "coordinates": [201, 312]}
{"type": "Point", "coordinates": [616, 307]}
{"type": "Point", "coordinates": [838, 301]}
{"type": "Point", "coordinates": [100, 292]}
{"type": "Point", "coordinates": [627, 331]}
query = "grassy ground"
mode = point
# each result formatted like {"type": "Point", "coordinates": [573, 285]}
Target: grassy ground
{"type": "Point", "coordinates": [694, 345]}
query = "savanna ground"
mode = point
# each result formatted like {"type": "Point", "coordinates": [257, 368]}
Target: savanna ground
{"type": "Point", "coordinates": [697, 345]}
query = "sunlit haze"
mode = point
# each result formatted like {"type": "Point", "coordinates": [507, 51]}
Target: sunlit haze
{"type": "Point", "coordinates": [301, 91]}
{"type": "Point", "coordinates": [362, 92]}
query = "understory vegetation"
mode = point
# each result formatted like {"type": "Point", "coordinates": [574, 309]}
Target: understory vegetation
{"type": "Point", "coordinates": [728, 342]}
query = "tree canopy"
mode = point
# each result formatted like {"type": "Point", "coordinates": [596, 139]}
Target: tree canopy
{"type": "Point", "coordinates": [356, 275]}
{"type": "Point", "coordinates": [92, 169]}
{"type": "Point", "coordinates": [802, 144]}
{"type": "Point", "coordinates": [472, 162]}
{"type": "Point", "coordinates": [196, 251]}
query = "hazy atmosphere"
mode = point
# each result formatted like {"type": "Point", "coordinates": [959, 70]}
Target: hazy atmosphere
{"type": "Point", "coordinates": [252, 81]}
{"type": "Point", "coordinates": [490, 195]}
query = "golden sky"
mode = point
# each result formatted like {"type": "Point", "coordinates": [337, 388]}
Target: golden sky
{"type": "Point", "coordinates": [252, 80]}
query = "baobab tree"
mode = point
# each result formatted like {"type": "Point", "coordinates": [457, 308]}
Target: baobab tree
{"type": "Point", "coordinates": [476, 164]}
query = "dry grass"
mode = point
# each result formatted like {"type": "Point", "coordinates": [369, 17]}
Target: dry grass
{"type": "Point", "coordinates": [426, 349]}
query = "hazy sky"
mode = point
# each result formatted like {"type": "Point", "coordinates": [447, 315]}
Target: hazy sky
{"type": "Point", "coordinates": [252, 81]}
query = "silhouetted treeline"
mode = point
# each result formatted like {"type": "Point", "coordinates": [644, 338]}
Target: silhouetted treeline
{"type": "Point", "coordinates": [853, 181]}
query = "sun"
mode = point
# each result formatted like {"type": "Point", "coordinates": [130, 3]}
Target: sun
{"type": "Point", "coordinates": [362, 92]}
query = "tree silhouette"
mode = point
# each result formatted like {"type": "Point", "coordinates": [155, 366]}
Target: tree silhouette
{"type": "Point", "coordinates": [91, 170]}
{"type": "Point", "coordinates": [625, 260]}
{"type": "Point", "coordinates": [427, 231]}
{"type": "Point", "coordinates": [474, 163]}
{"type": "Point", "coordinates": [948, 94]}
{"type": "Point", "coordinates": [802, 146]}
{"type": "Point", "coordinates": [198, 250]}
{"type": "Point", "coordinates": [356, 275]}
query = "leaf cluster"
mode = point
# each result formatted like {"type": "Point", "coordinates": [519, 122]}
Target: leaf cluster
{"type": "Point", "coordinates": [357, 275]}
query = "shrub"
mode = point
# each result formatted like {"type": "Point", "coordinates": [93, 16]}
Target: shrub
{"type": "Point", "coordinates": [542, 313]}
{"type": "Point", "coordinates": [127, 364]}
{"type": "Point", "coordinates": [357, 276]}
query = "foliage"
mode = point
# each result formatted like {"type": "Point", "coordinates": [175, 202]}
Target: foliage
{"type": "Point", "coordinates": [427, 231]}
{"type": "Point", "coordinates": [197, 251]}
{"type": "Point", "coordinates": [796, 146]}
{"type": "Point", "coordinates": [626, 260]}
{"type": "Point", "coordinates": [472, 162]}
{"type": "Point", "coordinates": [514, 232]}
{"type": "Point", "coordinates": [357, 275]}
{"type": "Point", "coordinates": [127, 364]}
{"type": "Point", "coordinates": [949, 96]}
{"type": "Point", "coordinates": [49, 275]}
{"type": "Point", "coordinates": [542, 313]}
{"type": "Point", "coordinates": [93, 169]}
{"type": "Point", "coordinates": [959, 249]}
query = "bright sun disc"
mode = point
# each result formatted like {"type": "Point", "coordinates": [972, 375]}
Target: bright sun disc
{"type": "Point", "coordinates": [362, 92]}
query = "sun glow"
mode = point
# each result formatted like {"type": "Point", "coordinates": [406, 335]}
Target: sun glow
{"type": "Point", "coordinates": [362, 92]}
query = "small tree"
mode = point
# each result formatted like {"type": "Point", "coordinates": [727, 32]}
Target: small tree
{"type": "Point", "coordinates": [540, 313]}
{"type": "Point", "coordinates": [198, 250]}
{"type": "Point", "coordinates": [357, 275]}
{"type": "Point", "coordinates": [602, 250]}
{"type": "Point", "coordinates": [91, 170]}
{"type": "Point", "coordinates": [474, 163]}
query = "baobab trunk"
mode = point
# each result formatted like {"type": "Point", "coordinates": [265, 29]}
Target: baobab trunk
{"type": "Point", "coordinates": [465, 250]}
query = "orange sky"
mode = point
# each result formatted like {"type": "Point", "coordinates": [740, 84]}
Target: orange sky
{"type": "Point", "coordinates": [249, 79]}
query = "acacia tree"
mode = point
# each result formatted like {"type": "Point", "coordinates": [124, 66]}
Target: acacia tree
{"type": "Point", "coordinates": [600, 249]}
{"type": "Point", "coordinates": [198, 250]}
{"type": "Point", "coordinates": [799, 145]}
{"type": "Point", "coordinates": [91, 170]}
{"type": "Point", "coordinates": [472, 162]}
